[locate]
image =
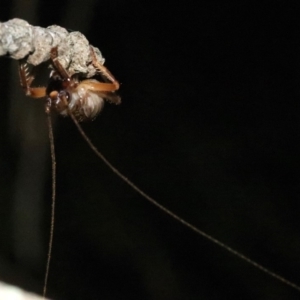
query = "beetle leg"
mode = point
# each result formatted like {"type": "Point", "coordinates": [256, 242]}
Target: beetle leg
{"type": "Point", "coordinates": [104, 90]}
{"type": "Point", "coordinates": [103, 70]}
{"type": "Point", "coordinates": [57, 65]}
{"type": "Point", "coordinates": [96, 86]}
{"type": "Point", "coordinates": [26, 81]}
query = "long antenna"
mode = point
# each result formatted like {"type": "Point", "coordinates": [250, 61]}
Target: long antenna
{"type": "Point", "coordinates": [176, 217]}
{"type": "Point", "coordinates": [53, 167]}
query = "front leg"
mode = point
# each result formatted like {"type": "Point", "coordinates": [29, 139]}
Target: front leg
{"type": "Point", "coordinates": [26, 81]}
{"type": "Point", "coordinates": [57, 65]}
{"type": "Point", "coordinates": [103, 71]}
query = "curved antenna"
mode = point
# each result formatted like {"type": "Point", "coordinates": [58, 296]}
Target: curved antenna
{"type": "Point", "coordinates": [176, 217]}
{"type": "Point", "coordinates": [53, 168]}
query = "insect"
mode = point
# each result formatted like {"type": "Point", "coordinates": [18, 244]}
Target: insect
{"type": "Point", "coordinates": [82, 99]}
{"type": "Point", "coordinates": [65, 93]}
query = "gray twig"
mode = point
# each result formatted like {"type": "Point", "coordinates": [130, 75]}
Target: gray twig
{"type": "Point", "coordinates": [19, 39]}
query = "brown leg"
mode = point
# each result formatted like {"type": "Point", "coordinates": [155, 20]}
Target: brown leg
{"type": "Point", "coordinates": [59, 68]}
{"type": "Point", "coordinates": [97, 86]}
{"type": "Point", "coordinates": [103, 70]}
{"type": "Point", "coordinates": [26, 80]}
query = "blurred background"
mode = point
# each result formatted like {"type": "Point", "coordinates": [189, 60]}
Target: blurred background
{"type": "Point", "coordinates": [208, 126]}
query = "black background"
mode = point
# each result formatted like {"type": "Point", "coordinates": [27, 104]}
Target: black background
{"type": "Point", "coordinates": [208, 126]}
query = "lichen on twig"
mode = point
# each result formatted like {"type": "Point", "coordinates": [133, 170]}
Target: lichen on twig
{"type": "Point", "coordinates": [19, 39]}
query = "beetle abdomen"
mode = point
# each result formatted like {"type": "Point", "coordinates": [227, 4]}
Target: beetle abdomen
{"type": "Point", "coordinates": [84, 104]}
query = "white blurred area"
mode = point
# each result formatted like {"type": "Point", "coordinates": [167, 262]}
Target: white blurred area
{"type": "Point", "coordinates": [10, 292]}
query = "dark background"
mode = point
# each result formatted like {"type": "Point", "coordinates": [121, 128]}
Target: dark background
{"type": "Point", "coordinates": [209, 126]}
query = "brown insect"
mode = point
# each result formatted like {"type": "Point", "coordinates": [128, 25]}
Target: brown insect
{"type": "Point", "coordinates": [65, 93]}
{"type": "Point", "coordinates": [80, 98]}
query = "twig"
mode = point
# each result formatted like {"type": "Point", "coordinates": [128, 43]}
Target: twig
{"type": "Point", "coordinates": [19, 39]}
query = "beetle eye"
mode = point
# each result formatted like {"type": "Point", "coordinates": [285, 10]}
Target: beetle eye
{"type": "Point", "coordinates": [63, 97]}
{"type": "Point", "coordinates": [62, 101]}
{"type": "Point", "coordinates": [67, 96]}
